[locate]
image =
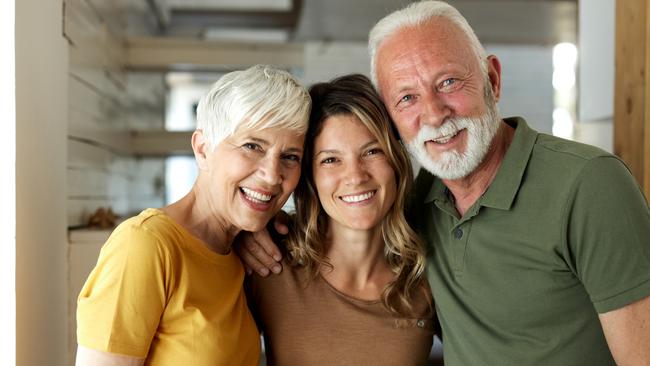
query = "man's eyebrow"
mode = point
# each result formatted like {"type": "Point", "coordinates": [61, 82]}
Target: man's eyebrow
{"type": "Point", "coordinates": [293, 150]}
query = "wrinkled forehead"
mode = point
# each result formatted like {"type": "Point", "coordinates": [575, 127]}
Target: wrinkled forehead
{"type": "Point", "coordinates": [437, 41]}
{"type": "Point", "coordinates": [435, 36]}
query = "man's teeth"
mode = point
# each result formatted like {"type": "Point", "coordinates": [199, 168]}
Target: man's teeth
{"type": "Point", "coordinates": [256, 195]}
{"type": "Point", "coordinates": [358, 198]}
{"type": "Point", "coordinates": [445, 139]}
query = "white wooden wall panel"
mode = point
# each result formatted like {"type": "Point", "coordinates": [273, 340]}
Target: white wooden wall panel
{"type": "Point", "coordinates": [94, 41]}
{"type": "Point", "coordinates": [105, 103]}
{"type": "Point", "coordinates": [84, 155]}
{"type": "Point", "coordinates": [147, 185]}
{"type": "Point", "coordinates": [94, 107]}
{"type": "Point", "coordinates": [103, 100]}
{"type": "Point", "coordinates": [90, 130]}
{"type": "Point", "coordinates": [83, 182]}
{"type": "Point", "coordinates": [145, 106]}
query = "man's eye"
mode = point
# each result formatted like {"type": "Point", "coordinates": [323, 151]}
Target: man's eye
{"type": "Point", "coordinates": [292, 157]}
{"type": "Point", "coordinates": [406, 98]}
{"type": "Point", "coordinates": [328, 161]}
{"type": "Point", "coordinates": [448, 82]}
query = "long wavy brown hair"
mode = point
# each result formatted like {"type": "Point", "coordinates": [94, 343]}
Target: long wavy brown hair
{"type": "Point", "coordinates": [354, 95]}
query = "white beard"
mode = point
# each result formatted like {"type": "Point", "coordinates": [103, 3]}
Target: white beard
{"type": "Point", "coordinates": [454, 164]}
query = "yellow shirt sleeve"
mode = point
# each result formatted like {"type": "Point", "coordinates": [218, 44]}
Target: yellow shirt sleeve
{"type": "Point", "coordinates": [121, 303]}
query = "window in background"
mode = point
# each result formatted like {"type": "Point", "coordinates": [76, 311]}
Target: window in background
{"type": "Point", "coordinates": [180, 173]}
{"type": "Point", "coordinates": [526, 87]}
{"type": "Point", "coordinates": [185, 91]}
{"type": "Point", "coordinates": [565, 56]}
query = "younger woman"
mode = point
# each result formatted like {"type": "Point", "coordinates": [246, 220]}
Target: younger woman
{"type": "Point", "coordinates": [352, 291]}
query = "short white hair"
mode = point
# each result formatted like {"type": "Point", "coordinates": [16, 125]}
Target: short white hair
{"type": "Point", "coordinates": [257, 98]}
{"type": "Point", "coordinates": [416, 14]}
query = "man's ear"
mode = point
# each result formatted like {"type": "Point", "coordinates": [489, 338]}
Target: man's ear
{"type": "Point", "coordinates": [494, 73]}
{"type": "Point", "coordinates": [201, 149]}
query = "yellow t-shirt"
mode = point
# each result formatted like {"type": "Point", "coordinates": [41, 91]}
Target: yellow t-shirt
{"type": "Point", "coordinates": [158, 292]}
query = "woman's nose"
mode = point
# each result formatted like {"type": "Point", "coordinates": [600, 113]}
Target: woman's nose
{"type": "Point", "coordinates": [270, 170]}
{"type": "Point", "coordinates": [356, 173]}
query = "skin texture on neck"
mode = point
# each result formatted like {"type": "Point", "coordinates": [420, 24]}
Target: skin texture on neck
{"type": "Point", "coordinates": [359, 268]}
{"type": "Point", "coordinates": [195, 215]}
{"type": "Point", "coordinates": [469, 189]}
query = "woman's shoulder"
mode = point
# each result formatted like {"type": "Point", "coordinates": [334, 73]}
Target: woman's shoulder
{"type": "Point", "coordinates": [290, 273]}
{"type": "Point", "coordinates": [148, 219]}
{"type": "Point", "coordinates": [150, 230]}
{"type": "Point", "coordinates": [293, 279]}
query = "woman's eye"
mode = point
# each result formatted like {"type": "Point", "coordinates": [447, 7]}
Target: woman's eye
{"type": "Point", "coordinates": [251, 146]}
{"type": "Point", "coordinates": [374, 151]}
{"type": "Point", "coordinates": [328, 161]}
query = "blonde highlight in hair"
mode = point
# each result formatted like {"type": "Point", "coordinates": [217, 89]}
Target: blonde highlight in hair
{"type": "Point", "coordinates": [354, 95]}
{"type": "Point", "coordinates": [257, 98]}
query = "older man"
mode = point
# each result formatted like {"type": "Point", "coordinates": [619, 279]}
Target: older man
{"type": "Point", "coordinates": [539, 248]}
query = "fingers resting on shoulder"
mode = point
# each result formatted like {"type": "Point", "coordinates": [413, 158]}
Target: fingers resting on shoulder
{"type": "Point", "coordinates": [258, 253]}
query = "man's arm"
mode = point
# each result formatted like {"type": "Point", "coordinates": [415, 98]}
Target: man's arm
{"type": "Point", "coordinates": [90, 357]}
{"type": "Point", "coordinates": [627, 331]}
{"type": "Point", "coordinates": [609, 227]}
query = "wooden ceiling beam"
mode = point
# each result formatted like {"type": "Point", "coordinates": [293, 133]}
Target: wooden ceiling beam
{"type": "Point", "coordinates": [206, 18]}
{"type": "Point", "coordinates": [164, 53]}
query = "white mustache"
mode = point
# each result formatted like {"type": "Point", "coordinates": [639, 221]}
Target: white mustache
{"type": "Point", "coordinates": [450, 127]}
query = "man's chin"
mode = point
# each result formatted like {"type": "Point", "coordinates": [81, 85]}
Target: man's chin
{"type": "Point", "coordinates": [450, 170]}
{"type": "Point", "coordinates": [449, 165]}
{"type": "Point", "coordinates": [447, 173]}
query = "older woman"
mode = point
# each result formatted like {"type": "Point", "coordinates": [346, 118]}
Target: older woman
{"type": "Point", "coordinates": [352, 292]}
{"type": "Point", "coordinates": [167, 289]}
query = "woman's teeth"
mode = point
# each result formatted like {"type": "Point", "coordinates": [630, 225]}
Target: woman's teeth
{"type": "Point", "coordinates": [256, 195]}
{"type": "Point", "coordinates": [358, 198]}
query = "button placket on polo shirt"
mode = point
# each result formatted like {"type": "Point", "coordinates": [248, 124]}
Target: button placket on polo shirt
{"type": "Point", "coordinates": [459, 237]}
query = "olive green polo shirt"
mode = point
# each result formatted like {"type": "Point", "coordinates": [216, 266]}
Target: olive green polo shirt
{"type": "Point", "coordinates": [561, 234]}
